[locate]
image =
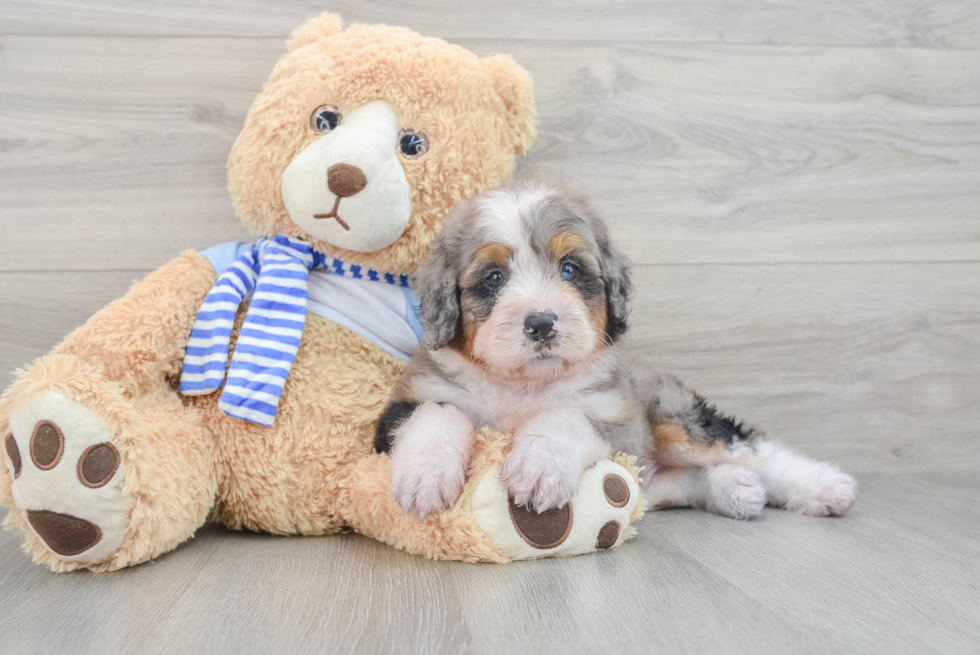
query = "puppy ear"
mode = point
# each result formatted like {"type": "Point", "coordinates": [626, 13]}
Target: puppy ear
{"type": "Point", "coordinates": [515, 87]}
{"type": "Point", "coordinates": [617, 276]}
{"type": "Point", "coordinates": [325, 24]}
{"type": "Point", "coordinates": [438, 293]}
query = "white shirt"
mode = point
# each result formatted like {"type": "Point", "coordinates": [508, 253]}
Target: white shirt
{"type": "Point", "coordinates": [385, 314]}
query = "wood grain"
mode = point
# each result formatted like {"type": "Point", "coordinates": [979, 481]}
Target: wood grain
{"type": "Point", "coordinates": [697, 154]}
{"type": "Point", "coordinates": [798, 184]}
{"type": "Point", "coordinates": [896, 575]}
{"type": "Point", "coordinates": [40, 309]}
{"type": "Point", "coordinates": [912, 23]}
{"type": "Point", "coordinates": [719, 154]}
{"type": "Point", "coordinates": [876, 366]}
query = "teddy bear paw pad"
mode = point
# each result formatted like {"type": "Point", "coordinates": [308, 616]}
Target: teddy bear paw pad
{"type": "Point", "coordinates": [549, 529]}
{"type": "Point", "coordinates": [595, 518]}
{"type": "Point", "coordinates": [67, 477]}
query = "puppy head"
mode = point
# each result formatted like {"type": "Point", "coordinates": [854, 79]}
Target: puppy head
{"type": "Point", "coordinates": [526, 283]}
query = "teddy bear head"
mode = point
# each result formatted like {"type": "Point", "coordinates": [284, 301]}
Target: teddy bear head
{"type": "Point", "coordinates": [363, 138]}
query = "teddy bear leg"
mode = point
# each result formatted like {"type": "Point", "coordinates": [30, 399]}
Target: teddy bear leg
{"type": "Point", "coordinates": [599, 515]}
{"type": "Point", "coordinates": [95, 479]}
{"type": "Point", "coordinates": [106, 466]}
{"type": "Point", "coordinates": [138, 340]}
{"type": "Point", "coordinates": [485, 525]}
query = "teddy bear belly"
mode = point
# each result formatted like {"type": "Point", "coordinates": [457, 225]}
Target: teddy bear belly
{"type": "Point", "coordinates": [285, 479]}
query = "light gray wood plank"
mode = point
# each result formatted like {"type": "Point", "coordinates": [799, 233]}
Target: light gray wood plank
{"type": "Point", "coordinates": [717, 154]}
{"type": "Point", "coordinates": [945, 23]}
{"type": "Point", "coordinates": [394, 602]}
{"type": "Point", "coordinates": [38, 310]}
{"type": "Point", "coordinates": [136, 157]}
{"type": "Point", "coordinates": [889, 577]}
{"type": "Point", "coordinates": [874, 366]}
{"type": "Point", "coordinates": [887, 563]}
{"type": "Point", "coordinates": [114, 148]}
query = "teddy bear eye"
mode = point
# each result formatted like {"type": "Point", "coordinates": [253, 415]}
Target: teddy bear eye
{"type": "Point", "coordinates": [412, 144]}
{"type": "Point", "coordinates": [325, 118]}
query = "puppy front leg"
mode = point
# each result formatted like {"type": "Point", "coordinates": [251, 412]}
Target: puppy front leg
{"type": "Point", "coordinates": [430, 457]}
{"type": "Point", "coordinates": [548, 456]}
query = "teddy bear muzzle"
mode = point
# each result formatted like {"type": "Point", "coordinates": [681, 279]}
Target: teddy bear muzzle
{"type": "Point", "coordinates": [348, 187]}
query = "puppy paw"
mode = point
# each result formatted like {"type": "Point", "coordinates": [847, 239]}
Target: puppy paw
{"type": "Point", "coordinates": [424, 483]}
{"type": "Point", "coordinates": [539, 476]}
{"type": "Point", "coordinates": [831, 493]}
{"type": "Point", "coordinates": [735, 491]}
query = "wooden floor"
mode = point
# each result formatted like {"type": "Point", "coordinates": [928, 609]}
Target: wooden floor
{"type": "Point", "coordinates": [899, 575]}
{"type": "Point", "coordinates": [798, 184]}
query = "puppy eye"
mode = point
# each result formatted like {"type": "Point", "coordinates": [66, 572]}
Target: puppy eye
{"type": "Point", "coordinates": [412, 144]}
{"type": "Point", "coordinates": [495, 279]}
{"type": "Point", "coordinates": [569, 271]}
{"type": "Point", "coordinates": [325, 118]}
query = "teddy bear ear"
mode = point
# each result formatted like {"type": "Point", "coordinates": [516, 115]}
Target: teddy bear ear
{"type": "Point", "coordinates": [326, 24]}
{"type": "Point", "coordinates": [516, 88]}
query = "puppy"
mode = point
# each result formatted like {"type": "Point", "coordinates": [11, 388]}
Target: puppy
{"type": "Point", "coordinates": [523, 300]}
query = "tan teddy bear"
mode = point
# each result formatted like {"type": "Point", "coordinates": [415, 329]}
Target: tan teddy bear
{"type": "Point", "coordinates": [284, 351]}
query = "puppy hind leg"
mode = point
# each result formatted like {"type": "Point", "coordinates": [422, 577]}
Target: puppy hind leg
{"type": "Point", "coordinates": [689, 432]}
{"type": "Point", "coordinates": [706, 472]}
{"type": "Point", "coordinates": [686, 430]}
{"type": "Point", "coordinates": [725, 489]}
{"type": "Point", "coordinates": [797, 483]}
{"type": "Point", "coordinates": [674, 487]}
{"type": "Point", "coordinates": [734, 491]}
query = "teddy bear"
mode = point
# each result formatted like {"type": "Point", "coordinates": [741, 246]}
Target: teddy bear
{"type": "Point", "coordinates": [243, 384]}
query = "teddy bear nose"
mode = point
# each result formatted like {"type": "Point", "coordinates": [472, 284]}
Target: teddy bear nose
{"type": "Point", "coordinates": [345, 180]}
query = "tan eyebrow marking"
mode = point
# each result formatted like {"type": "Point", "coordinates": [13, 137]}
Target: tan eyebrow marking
{"type": "Point", "coordinates": [565, 242]}
{"type": "Point", "coordinates": [494, 252]}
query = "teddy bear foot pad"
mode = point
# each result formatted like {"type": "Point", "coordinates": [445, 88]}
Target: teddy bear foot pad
{"type": "Point", "coordinates": [66, 477]}
{"type": "Point", "coordinates": [597, 517]}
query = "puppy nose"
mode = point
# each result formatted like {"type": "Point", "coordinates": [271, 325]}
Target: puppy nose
{"type": "Point", "coordinates": [345, 180]}
{"type": "Point", "coordinates": [539, 326]}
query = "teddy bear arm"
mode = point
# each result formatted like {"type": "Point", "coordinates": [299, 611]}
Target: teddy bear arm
{"type": "Point", "coordinates": [139, 339]}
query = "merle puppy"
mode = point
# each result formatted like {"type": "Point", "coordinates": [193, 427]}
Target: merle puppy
{"type": "Point", "coordinates": [523, 300]}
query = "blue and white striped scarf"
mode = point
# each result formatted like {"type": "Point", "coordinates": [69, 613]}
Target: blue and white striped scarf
{"type": "Point", "coordinates": [275, 272]}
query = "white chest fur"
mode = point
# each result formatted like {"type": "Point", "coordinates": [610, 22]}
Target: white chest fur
{"type": "Point", "coordinates": [505, 406]}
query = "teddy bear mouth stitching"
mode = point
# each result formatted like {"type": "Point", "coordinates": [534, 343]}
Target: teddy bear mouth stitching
{"type": "Point", "coordinates": [333, 214]}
